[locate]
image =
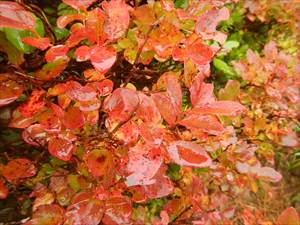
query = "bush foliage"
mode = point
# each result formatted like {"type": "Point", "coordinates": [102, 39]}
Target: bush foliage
{"type": "Point", "coordinates": [149, 112]}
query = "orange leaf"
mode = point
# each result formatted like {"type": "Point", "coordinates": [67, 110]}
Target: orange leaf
{"type": "Point", "coordinates": [289, 216]}
{"type": "Point", "coordinates": [40, 43]}
{"type": "Point", "coordinates": [186, 153]}
{"type": "Point", "coordinates": [18, 168]}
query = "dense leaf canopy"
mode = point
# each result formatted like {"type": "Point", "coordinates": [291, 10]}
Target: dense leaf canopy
{"type": "Point", "coordinates": [149, 112]}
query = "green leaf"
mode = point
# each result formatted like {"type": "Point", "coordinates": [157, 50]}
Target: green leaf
{"type": "Point", "coordinates": [14, 55]}
{"type": "Point", "coordinates": [14, 36]}
{"type": "Point", "coordinates": [174, 172]}
{"type": "Point", "coordinates": [223, 67]}
{"type": "Point", "coordinates": [181, 4]}
{"type": "Point", "coordinates": [73, 182]}
{"type": "Point", "coordinates": [231, 44]}
{"type": "Point", "coordinates": [60, 33]}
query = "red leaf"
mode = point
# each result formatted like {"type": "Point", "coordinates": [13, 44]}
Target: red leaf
{"type": "Point", "coordinates": [18, 168]}
{"type": "Point", "coordinates": [34, 135]}
{"type": "Point", "coordinates": [201, 92]}
{"type": "Point", "coordinates": [162, 187]}
{"type": "Point", "coordinates": [79, 4]}
{"type": "Point", "coordinates": [220, 108]}
{"type": "Point", "coordinates": [199, 53]}
{"type": "Point", "coordinates": [13, 15]}
{"type": "Point", "coordinates": [82, 53]}
{"type": "Point", "coordinates": [64, 20]}
{"type": "Point", "coordinates": [117, 18]}
{"type": "Point", "coordinates": [103, 58]}
{"type": "Point", "coordinates": [93, 75]}
{"type": "Point", "coordinates": [47, 215]}
{"type": "Point", "coordinates": [3, 189]}
{"type": "Point", "coordinates": [289, 216]}
{"type": "Point", "coordinates": [38, 42]}
{"type": "Point", "coordinates": [10, 90]}
{"type": "Point", "coordinates": [33, 105]}
{"type": "Point", "coordinates": [270, 50]}
{"type": "Point", "coordinates": [73, 118]}
{"type": "Point", "coordinates": [86, 93]}
{"type": "Point", "coordinates": [118, 210]}
{"type": "Point", "coordinates": [147, 110]}
{"type": "Point", "coordinates": [205, 123]}
{"type": "Point", "coordinates": [76, 37]}
{"type": "Point", "coordinates": [19, 121]}
{"type": "Point", "coordinates": [88, 106]}
{"type": "Point", "coordinates": [186, 153]}
{"type": "Point", "coordinates": [56, 52]}
{"type": "Point", "coordinates": [269, 174]}
{"type": "Point", "coordinates": [151, 133]}
{"type": "Point", "coordinates": [128, 133]}
{"type": "Point", "coordinates": [209, 20]}
{"type": "Point", "coordinates": [121, 104]}
{"type": "Point", "coordinates": [167, 5]}
{"type": "Point", "coordinates": [167, 110]}
{"type": "Point", "coordinates": [103, 87]}
{"type": "Point", "coordinates": [98, 161]}
{"type": "Point", "coordinates": [94, 26]}
{"type": "Point", "coordinates": [60, 148]}
{"type": "Point", "coordinates": [84, 210]}
{"type": "Point", "coordinates": [52, 69]}
{"type": "Point", "coordinates": [174, 91]}
{"type": "Point", "coordinates": [144, 162]}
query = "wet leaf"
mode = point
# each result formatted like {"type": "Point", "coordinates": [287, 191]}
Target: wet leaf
{"type": "Point", "coordinates": [220, 108]}
{"type": "Point", "coordinates": [40, 43]}
{"type": "Point", "coordinates": [73, 118]}
{"type": "Point", "coordinates": [18, 168]}
{"type": "Point", "coordinates": [47, 215]}
{"type": "Point", "coordinates": [186, 153]}
{"type": "Point", "coordinates": [144, 162]}
{"type": "Point", "coordinates": [60, 148]}
{"type": "Point", "coordinates": [52, 69]}
{"type": "Point", "coordinates": [118, 210]}
{"type": "Point", "coordinates": [117, 18]}
{"type": "Point", "coordinates": [98, 162]}
{"type": "Point", "coordinates": [82, 4]}
{"type": "Point", "coordinates": [13, 15]}
{"type": "Point", "coordinates": [103, 58]}
{"type": "Point", "coordinates": [84, 210]}
{"type": "Point", "coordinates": [10, 90]}
{"type": "Point", "coordinates": [56, 52]}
